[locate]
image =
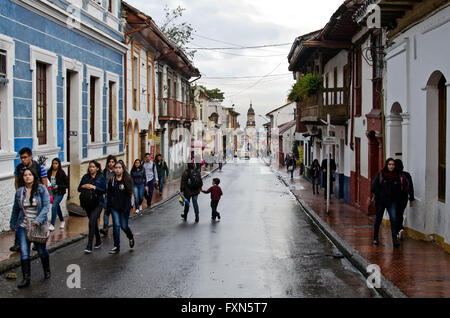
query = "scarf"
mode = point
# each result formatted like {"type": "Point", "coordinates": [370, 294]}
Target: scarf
{"type": "Point", "coordinates": [389, 175]}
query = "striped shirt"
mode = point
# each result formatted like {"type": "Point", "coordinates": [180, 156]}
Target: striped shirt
{"type": "Point", "coordinates": [22, 168]}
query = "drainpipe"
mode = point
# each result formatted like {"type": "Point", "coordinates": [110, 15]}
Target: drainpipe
{"type": "Point", "coordinates": [352, 85]}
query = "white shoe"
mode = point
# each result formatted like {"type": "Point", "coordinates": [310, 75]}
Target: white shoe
{"type": "Point", "coordinates": [51, 227]}
{"type": "Point", "coordinates": [137, 211]}
{"type": "Point", "coordinates": [400, 234]}
{"type": "Point", "coordinates": [61, 226]}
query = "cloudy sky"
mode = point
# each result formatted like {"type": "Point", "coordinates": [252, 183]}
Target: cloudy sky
{"type": "Point", "coordinates": [232, 23]}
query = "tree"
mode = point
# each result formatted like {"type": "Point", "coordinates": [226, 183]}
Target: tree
{"type": "Point", "coordinates": [214, 93]}
{"type": "Point", "coordinates": [179, 33]}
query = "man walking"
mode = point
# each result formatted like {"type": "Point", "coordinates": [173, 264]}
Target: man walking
{"type": "Point", "coordinates": [163, 171]}
{"type": "Point", "coordinates": [191, 183]}
{"type": "Point", "coordinates": [324, 175]}
{"type": "Point", "coordinates": [151, 178]}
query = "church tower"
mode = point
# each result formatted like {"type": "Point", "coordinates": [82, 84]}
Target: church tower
{"type": "Point", "coordinates": [251, 117]}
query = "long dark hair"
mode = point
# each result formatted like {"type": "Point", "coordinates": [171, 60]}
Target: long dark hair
{"type": "Point", "coordinates": [386, 169]}
{"type": "Point", "coordinates": [134, 165]}
{"type": "Point", "coordinates": [50, 170]}
{"type": "Point", "coordinates": [97, 165]}
{"type": "Point", "coordinates": [35, 185]}
{"type": "Point", "coordinates": [315, 161]}
{"type": "Point", "coordinates": [126, 178]}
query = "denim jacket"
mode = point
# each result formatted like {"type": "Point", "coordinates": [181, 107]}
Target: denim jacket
{"type": "Point", "coordinates": [43, 200]}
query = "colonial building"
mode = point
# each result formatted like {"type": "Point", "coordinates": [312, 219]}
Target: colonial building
{"type": "Point", "coordinates": [158, 93]}
{"type": "Point", "coordinates": [61, 92]}
{"type": "Point", "coordinates": [415, 107]}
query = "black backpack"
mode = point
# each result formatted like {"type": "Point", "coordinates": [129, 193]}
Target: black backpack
{"type": "Point", "coordinates": [194, 179]}
{"type": "Point", "coordinates": [89, 198]}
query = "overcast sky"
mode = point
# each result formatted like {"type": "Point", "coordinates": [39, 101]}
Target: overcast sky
{"type": "Point", "coordinates": [246, 23]}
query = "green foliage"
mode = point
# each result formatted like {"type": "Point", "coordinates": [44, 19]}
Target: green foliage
{"type": "Point", "coordinates": [308, 85]}
{"type": "Point", "coordinates": [179, 33]}
{"type": "Point", "coordinates": [214, 93]}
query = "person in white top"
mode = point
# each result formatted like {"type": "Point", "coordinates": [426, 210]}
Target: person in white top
{"type": "Point", "coordinates": [151, 178]}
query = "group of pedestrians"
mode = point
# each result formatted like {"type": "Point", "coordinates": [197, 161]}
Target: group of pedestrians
{"type": "Point", "coordinates": [112, 190]}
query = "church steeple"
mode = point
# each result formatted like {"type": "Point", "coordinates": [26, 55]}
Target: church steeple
{"type": "Point", "coordinates": [251, 117]}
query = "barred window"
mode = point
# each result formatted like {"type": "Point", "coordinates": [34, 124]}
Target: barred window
{"type": "Point", "coordinates": [2, 63]}
{"type": "Point", "coordinates": [41, 102]}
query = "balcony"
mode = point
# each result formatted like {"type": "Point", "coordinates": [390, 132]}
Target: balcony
{"type": "Point", "coordinates": [333, 101]}
{"type": "Point", "coordinates": [170, 109]}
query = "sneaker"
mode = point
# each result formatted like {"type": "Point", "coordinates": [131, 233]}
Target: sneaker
{"type": "Point", "coordinates": [97, 245]}
{"type": "Point", "coordinates": [87, 250]}
{"type": "Point", "coordinates": [196, 218]}
{"type": "Point", "coordinates": [114, 250]}
{"type": "Point", "coordinates": [132, 243]}
{"type": "Point", "coordinates": [137, 211]}
{"type": "Point", "coordinates": [218, 215]}
{"type": "Point", "coordinates": [62, 225]}
{"type": "Point", "coordinates": [51, 227]}
{"type": "Point", "coordinates": [376, 242]}
{"type": "Point", "coordinates": [14, 248]}
{"type": "Point", "coordinates": [400, 234]}
{"type": "Point", "coordinates": [184, 217]}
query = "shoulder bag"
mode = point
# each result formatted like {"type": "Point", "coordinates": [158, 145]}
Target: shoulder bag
{"type": "Point", "coordinates": [35, 233]}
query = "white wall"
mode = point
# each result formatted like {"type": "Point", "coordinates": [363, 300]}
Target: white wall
{"type": "Point", "coordinates": [414, 57]}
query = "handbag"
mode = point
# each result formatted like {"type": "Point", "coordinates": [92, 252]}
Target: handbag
{"type": "Point", "coordinates": [35, 233]}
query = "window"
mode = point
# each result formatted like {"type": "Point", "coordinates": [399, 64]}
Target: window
{"type": "Point", "coordinates": [175, 88]}
{"type": "Point", "coordinates": [110, 5]}
{"type": "Point", "coordinates": [41, 102]}
{"type": "Point", "coordinates": [92, 107]}
{"type": "Point", "coordinates": [169, 86]}
{"type": "Point", "coordinates": [135, 81]}
{"type": "Point", "coordinates": [442, 138]}
{"type": "Point", "coordinates": [3, 63]}
{"type": "Point", "coordinates": [160, 88]}
{"type": "Point", "coordinates": [357, 84]}
{"type": "Point", "coordinates": [111, 110]}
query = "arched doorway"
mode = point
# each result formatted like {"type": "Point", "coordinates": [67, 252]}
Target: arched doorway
{"type": "Point", "coordinates": [436, 152]}
{"type": "Point", "coordinates": [129, 143]}
{"type": "Point", "coordinates": [394, 132]}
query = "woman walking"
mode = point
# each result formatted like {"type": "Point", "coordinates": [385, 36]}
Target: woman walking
{"type": "Point", "coordinates": [138, 175]}
{"type": "Point", "coordinates": [92, 188]}
{"type": "Point", "coordinates": [315, 175]}
{"type": "Point", "coordinates": [386, 187]}
{"type": "Point", "coordinates": [31, 205]}
{"type": "Point", "coordinates": [58, 185]}
{"type": "Point", "coordinates": [120, 191]}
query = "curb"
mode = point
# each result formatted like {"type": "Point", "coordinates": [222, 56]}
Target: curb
{"type": "Point", "coordinates": [15, 261]}
{"type": "Point", "coordinates": [387, 288]}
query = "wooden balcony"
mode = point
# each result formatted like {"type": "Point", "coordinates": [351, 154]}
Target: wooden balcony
{"type": "Point", "coordinates": [170, 109]}
{"type": "Point", "coordinates": [333, 101]}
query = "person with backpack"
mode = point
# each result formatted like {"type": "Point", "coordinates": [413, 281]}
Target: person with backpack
{"type": "Point", "coordinates": [137, 174]}
{"type": "Point", "coordinates": [406, 192]}
{"type": "Point", "coordinates": [26, 158]}
{"type": "Point", "coordinates": [163, 171]}
{"type": "Point", "coordinates": [31, 205]}
{"type": "Point", "coordinates": [216, 193]}
{"type": "Point", "coordinates": [151, 178]}
{"type": "Point", "coordinates": [291, 166]}
{"type": "Point", "coordinates": [386, 188]}
{"type": "Point", "coordinates": [59, 183]}
{"type": "Point", "coordinates": [120, 192]}
{"type": "Point", "coordinates": [191, 183]}
{"type": "Point", "coordinates": [315, 176]}
{"type": "Point", "coordinates": [92, 188]}
{"type": "Point", "coordinates": [108, 172]}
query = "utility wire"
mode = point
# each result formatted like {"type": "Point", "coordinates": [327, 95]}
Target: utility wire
{"type": "Point", "coordinates": [237, 48]}
{"type": "Point", "coordinates": [226, 77]}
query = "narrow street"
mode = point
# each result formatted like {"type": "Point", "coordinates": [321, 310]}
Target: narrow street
{"type": "Point", "coordinates": [264, 246]}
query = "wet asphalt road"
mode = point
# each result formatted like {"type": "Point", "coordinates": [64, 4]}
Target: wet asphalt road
{"type": "Point", "coordinates": [264, 246]}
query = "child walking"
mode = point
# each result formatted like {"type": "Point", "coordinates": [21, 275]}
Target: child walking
{"type": "Point", "coordinates": [216, 193]}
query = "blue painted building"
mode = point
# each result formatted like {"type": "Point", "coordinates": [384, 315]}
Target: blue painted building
{"type": "Point", "coordinates": [61, 86]}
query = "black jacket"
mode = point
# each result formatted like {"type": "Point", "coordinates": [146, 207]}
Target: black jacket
{"type": "Point", "coordinates": [61, 181]}
{"type": "Point", "coordinates": [118, 198]}
{"type": "Point", "coordinates": [410, 194]}
{"type": "Point", "coordinates": [386, 190]}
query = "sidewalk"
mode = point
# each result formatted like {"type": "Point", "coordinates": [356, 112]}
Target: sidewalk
{"type": "Point", "coordinates": [417, 268]}
{"type": "Point", "coordinates": [76, 225]}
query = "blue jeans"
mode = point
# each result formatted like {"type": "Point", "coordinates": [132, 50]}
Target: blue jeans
{"type": "Point", "coordinates": [106, 213]}
{"type": "Point", "coordinates": [56, 209]}
{"type": "Point", "coordinates": [392, 211]}
{"type": "Point", "coordinates": [25, 245]}
{"type": "Point", "coordinates": [194, 203]}
{"type": "Point", "coordinates": [148, 196]}
{"type": "Point", "coordinates": [161, 184]}
{"type": "Point", "coordinates": [120, 221]}
{"type": "Point", "coordinates": [139, 190]}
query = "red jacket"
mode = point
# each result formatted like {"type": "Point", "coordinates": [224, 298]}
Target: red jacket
{"type": "Point", "coordinates": [216, 192]}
